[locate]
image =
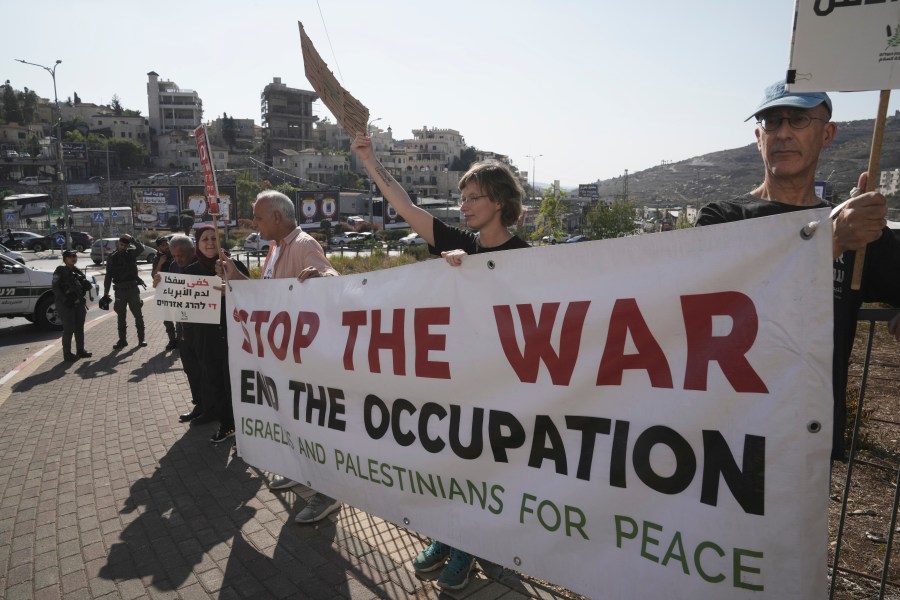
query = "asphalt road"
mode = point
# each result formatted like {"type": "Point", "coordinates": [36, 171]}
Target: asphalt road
{"type": "Point", "coordinates": [21, 339]}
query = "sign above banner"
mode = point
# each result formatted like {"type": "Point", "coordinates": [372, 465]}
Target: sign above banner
{"type": "Point", "coordinates": [349, 112]}
{"type": "Point", "coordinates": [845, 45]}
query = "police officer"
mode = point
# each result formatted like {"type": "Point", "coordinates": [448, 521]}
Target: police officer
{"type": "Point", "coordinates": [162, 264]}
{"type": "Point", "coordinates": [69, 287]}
{"type": "Point", "coordinates": [122, 275]}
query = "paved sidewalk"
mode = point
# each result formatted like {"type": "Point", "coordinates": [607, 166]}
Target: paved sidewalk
{"type": "Point", "coordinates": [103, 494]}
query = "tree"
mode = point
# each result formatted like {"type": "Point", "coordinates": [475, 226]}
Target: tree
{"type": "Point", "coordinates": [229, 133]}
{"type": "Point", "coordinates": [610, 220]}
{"type": "Point", "coordinates": [549, 220]}
{"type": "Point", "coordinates": [12, 112]}
{"type": "Point", "coordinates": [116, 105]}
{"type": "Point", "coordinates": [28, 101]}
{"type": "Point", "coordinates": [349, 179]}
{"type": "Point", "coordinates": [247, 190]}
{"type": "Point", "coordinates": [131, 155]}
{"type": "Point", "coordinates": [187, 221]}
{"type": "Point", "coordinates": [465, 159]}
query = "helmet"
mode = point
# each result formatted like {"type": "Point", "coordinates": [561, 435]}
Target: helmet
{"type": "Point", "coordinates": [163, 239]}
{"type": "Point", "coordinates": [104, 302]}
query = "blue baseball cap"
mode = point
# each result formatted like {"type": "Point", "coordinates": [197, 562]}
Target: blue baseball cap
{"type": "Point", "coordinates": [777, 96]}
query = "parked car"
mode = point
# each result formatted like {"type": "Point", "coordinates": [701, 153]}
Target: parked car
{"type": "Point", "coordinates": [12, 154]}
{"type": "Point", "coordinates": [12, 254]}
{"type": "Point", "coordinates": [158, 176]}
{"type": "Point", "coordinates": [351, 237]}
{"type": "Point", "coordinates": [34, 180]}
{"type": "Point", "coordinates": [95, 178]}
{"type": "Point", "coordinates": [24, 154]}
{"type": "Point", "coordinates": [254, 243]}
{"type": "Point", "coordinates": [413, 239]}
{"type": "Point", "coordinates": [81, 241]}
{"type": "Point", "coordinates": [576, 238]}
{"type": "Point", "coordinates": [102, 248]}
{"type": "Point", "coordinates": [22, 237]}
{"type": "Point", "coordinates": [355, 220]}
{"type": "Point", "coordinates": [31, 294]}
{"type": "Point", "coordinates": [550, 239]}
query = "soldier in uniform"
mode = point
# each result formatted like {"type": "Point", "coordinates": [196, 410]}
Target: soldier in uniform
{"type": "Point", "coordinates": [122, 275]}
{"type": "Point", "coordinates": [69, 287]}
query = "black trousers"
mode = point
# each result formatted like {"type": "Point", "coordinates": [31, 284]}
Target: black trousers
{"type": "Point", "coordinates": [129, 298]}
{"type": "Point", "coordinates": [72, 318]}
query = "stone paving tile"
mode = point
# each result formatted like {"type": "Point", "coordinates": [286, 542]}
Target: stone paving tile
{"type": "Point", "coordinates": [129, 504]}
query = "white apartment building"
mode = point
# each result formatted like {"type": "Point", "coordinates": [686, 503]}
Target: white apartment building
{"type": "Point", "coordinates": [171, 107]}
{"type": "Point", "coordinates": [178, 150]}
{"type": "Point", "coordinates": [890, 182]}
{"type": "Point", "coordinates": [314, 165]}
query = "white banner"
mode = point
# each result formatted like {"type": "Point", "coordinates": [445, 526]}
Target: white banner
{"type": "Point", "coordinates": [845, 45]}
{"type": "Point", "coordinates": [188, 298]}
{"type": "Point", "coordinates": [640, 417]}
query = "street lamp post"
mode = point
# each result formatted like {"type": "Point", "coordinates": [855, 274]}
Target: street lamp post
{"type": "Point", "coordinates": [61, 164]}
{"type": "Point", "coordinates": [108, 194]}
{"type": "Point", "coordinates": [533, 159]}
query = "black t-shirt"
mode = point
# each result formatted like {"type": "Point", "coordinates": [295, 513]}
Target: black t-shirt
{"type": "Point", "coordinates": [452, 238]}
{"type": "Point", "coordinates": [880, 283]}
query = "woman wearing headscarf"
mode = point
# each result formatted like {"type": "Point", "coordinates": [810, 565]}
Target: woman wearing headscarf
{"type": "Point", "coordinates": [210, 344]}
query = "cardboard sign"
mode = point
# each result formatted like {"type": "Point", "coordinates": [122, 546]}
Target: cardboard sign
{"type": "Point", "coordinates": [347, 110]}
{"type": "Point", "coordinates": [845, 45]}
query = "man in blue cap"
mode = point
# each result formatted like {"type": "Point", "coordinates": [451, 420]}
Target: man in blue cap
{"type": "Point", "coordinates": [792, 130]}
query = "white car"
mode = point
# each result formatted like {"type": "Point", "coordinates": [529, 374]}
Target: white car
{"type": "Point", "coordinates": [13, 255]}
{"type": "Point", "coordinates": [33, 180]}
{"type": "Point", "coordinates": [413, 239]}
{"type": "Point", "coordinates": [26, 292]}
{"type": "Point", "coordinates": [254, 243]}
{"type": "Point", "coordinates": [351, 237]}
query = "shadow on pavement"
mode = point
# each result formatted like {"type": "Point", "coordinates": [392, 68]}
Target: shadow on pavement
{"type": "Point", "coordinates": [49, 376]}
{"type": "Point", "coordinates": [194, 502]}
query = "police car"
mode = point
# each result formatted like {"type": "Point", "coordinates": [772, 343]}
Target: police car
{"type": "Point", "coordinates": [27, 292]}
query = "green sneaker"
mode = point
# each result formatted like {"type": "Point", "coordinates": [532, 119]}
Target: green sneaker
{"type": "Point", "coordinates": [455, 575]}
{"type": "Point", "coordinates": [431, 558]}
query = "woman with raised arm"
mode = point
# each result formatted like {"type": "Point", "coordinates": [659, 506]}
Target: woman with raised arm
{"type": "Point", "coordinates": [491, 203]}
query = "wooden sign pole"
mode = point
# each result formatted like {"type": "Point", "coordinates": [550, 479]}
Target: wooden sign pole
{"type": "Point", "coordinates": [872, 178]}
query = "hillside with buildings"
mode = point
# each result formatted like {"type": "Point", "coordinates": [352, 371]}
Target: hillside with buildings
{"type": "Point", "coordinates": [727, 173]}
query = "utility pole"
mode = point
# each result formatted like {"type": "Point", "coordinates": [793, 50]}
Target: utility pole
{"type": "Point", "coordinates": [61, 164]}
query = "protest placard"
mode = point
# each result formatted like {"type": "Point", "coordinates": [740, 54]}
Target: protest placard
{"type": "Point", "coordinates": [188, 298]}
{"type": "Point", "coordinates": [652, 421]}
{"type": "Point", "coordinates": [349, 112]}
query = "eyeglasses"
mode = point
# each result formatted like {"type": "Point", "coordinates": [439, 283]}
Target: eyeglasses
{"type": "Point", "coordinates": [796, 121]}
{"type": "Point", "coordinates": [471, 199]}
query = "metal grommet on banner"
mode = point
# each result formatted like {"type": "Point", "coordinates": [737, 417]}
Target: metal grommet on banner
{"type": "Point", "coordinates": [809, 230]}
{"type": "Point", "coordinates": [490, 264]}
{"type": "Point", "coordinates": [405, 521]}
{"type": "Point", "coordinates": [365, 281]}
{"type": "Point", "coordinates": [814, 427]}
{"type": "Point", "coordinates": [517, 561]}
{"type": "Point", "coordinates": [308, 484]}
{"type": "Point", "coordinates": [291, 287]}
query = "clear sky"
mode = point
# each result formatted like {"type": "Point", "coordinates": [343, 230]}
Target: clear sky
{"type": "Point", "coordinates": [589, 87]}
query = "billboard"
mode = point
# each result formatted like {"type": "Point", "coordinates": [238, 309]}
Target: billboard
{"type": "Point", "coordinates": [313, 207]}
{"type": "Point", "coordinates": [153, 205]}
{"type": "Point", "coordinates": [194, 197]}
